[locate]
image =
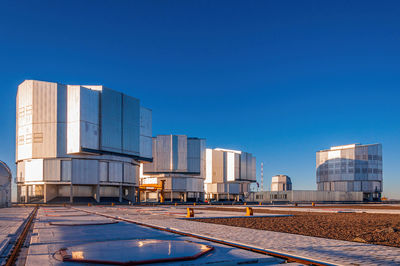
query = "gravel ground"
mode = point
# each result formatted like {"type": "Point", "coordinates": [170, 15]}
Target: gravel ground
{"type": "Point", "coordinates": [381, 229]}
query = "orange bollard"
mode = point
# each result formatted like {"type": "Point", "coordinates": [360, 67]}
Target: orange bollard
{"type": "Point", "coordinates": [260, 203]}
{"type": "Point", "coordinates": [313, 204]}
{"type": "Point", "coordinates": [194, 203]}
{"type": "Point", "coordinates": [245, 203]}
{"type": "Point", "coordinates": [190, 213]}
{"type": "Point", "coordinates": [249, 211]}
{"type": "Point", "coordinates": [89, 204]}
{"type": "Point", "coordinates": [176, 204]}
{"type": "Point", "coordinates": [113, 204]}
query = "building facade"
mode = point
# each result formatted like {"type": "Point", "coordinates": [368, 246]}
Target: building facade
{"type": "Point", "coordinates": [179, 161]}
{"type": "Point", "coordinates": [353, 167]}
{"type": "Point", "coordinates": [76, 142]}
{"type": "Point", "coordinates": [229, 174]}
{"type": "Point", "coordinates": [281, 183]}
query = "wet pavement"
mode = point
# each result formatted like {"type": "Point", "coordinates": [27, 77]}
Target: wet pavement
{"type": "Point", "coordinates": [71, 234]}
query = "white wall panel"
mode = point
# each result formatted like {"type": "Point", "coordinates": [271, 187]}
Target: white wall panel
{"type": "Point", "coordinates": [146, 144]}
{"type": "Point", "coordinates": [34, 170]}
{"type": "Point", "coordinates": [145, 122]}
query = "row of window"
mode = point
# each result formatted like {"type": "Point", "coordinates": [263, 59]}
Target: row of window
{"type": "Point", "coordinates": [350, 171]}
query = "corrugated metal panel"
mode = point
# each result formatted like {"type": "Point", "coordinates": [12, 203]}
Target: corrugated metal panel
{"type": "Point", "coordinates": [61, 120]}
{"type": "Point", "coordinates": [179, 183]}
{"type": "Point", "coordinates": [85, 171]}
{"type": "Point", "coordinates": [115, 171]}
{"type": "Point", "coordinates": [218, 165]}
{"type": "Point", "coordinates": [179, 153]}
{"type": "Point", "coordinates": [111, 120]}
{"type": "Point", "coordinates": [243, 165]}
{"type": "Point", "coordinates": [145, 133]}
{"type": "Point", "coordinates": [66, 170]}
{"type": "Point", "coordinates": [130, 125]}
{"type": "Point", "coordinates": [151, 167]}
{"type": "Point", "coordinates": [103, 171]}
{"type": "Point", "coordinates": [237, 166]}
{"type": "Point", "coordinates": [194, 154]}
{"type": "Point", "coordinates": [130, 173]}
{"type": "Point", "coordinates": [52, 170]}
{"type": "Point", "coordinates": [146, 147]}
{"type": "Point", "coordinates": [145, 122]}
{"type": "Point", "coordinates": [163, 153]}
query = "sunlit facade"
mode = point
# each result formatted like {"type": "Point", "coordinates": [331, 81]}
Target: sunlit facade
{"type": "Point", "coordinates": [353, 167]}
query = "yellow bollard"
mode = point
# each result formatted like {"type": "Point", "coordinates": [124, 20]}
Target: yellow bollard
{"type": "Point", "coordinates": [89, 204]}
{"type": "Point", "coordinates": [190, 213]}
{"type": "Point", "coordinates": [249, 211]}
{"type": "Point", "coordinates": [313, 204]}
{"type": "Point", "coordinates": [194, 203]}
{"type": "Point", "coordinates": [260, 203]}
{"type": "Point", "coordinates": [176, 204]}
{"type": "Point", "coordinates": [113, 204]}
{"type": "Point", "coordinates": [245, 203]}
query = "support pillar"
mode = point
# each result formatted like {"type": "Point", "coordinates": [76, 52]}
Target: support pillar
{"type": "Point", "coordinates": [185, 196]}
{"type": "Point", "coordinates": [97, 194]}
{"type": "Point", "coordinates": [172, 196]}
{"type": "Point", "coordinates": [120, 193]}
{"type": "Point", "coordinates": [217, 197]}
{"type": "Point", "coordinates": [26, 194]}
{"type": "Point", "coordinates": [45, 193]}
{"type": "Point", "coordinates": [71, 194]}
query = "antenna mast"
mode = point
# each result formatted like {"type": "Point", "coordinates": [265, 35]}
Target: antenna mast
{"type": "Point", "coordinates": [262, 177]}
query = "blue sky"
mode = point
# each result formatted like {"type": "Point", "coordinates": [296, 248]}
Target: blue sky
{"type": "Point", "coordinates": [280, 79]}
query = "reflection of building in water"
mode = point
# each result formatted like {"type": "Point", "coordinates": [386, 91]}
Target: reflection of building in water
{"type": "Point", "coordinates": [281, 183]}
{"type": "Point", "coordinates": [352, 167]}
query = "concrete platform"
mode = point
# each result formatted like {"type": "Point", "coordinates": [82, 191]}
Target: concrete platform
{"type": "Point", "coordinates": [11, 223]}
{"type": "Point", "coordinates": [47, 239]}
{"type": "Point", "coordinates": [331, 251]}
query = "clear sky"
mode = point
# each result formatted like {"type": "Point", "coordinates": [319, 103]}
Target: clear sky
{"type": "Point", "coordinates": [279, 79]}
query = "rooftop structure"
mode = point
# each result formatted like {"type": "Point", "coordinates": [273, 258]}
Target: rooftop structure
{"type": "Point", "coordinates": [353, 167]}
{"type": "Point", "coordinates": [281, 183]}
{"type": "Point", "coordinates": [79, 141]}
{"type": "Point", "coordinates": [228, 174]}
{"type": "Point", "coordinates": [179, 161]}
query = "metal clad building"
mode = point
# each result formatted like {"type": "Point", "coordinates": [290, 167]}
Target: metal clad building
{"type": "Point", "coordinates": [79, 141]}
{"type": "Point", "coordinates": [5, 185]}
{"type": "Point", "coordinates": [228, 174]}
{"type": "Point", "coordinates": [353, 167]}
{"type": "Point", "coordinates": [179, 161]}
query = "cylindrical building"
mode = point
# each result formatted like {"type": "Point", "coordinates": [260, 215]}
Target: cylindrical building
{"type": "Point", "coordinates": [353, 167]}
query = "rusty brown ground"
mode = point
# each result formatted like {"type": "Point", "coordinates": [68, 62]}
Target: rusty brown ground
{"type": "Point", "coordinates": [381, 229]}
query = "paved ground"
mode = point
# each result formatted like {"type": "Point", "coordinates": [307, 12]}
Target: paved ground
{"type": "Point", "coordinates": [11, 221]}
{"type": "Point", "coordinates": [328, 250]}
{"type": "Point", "coordinates": [57, 228]}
